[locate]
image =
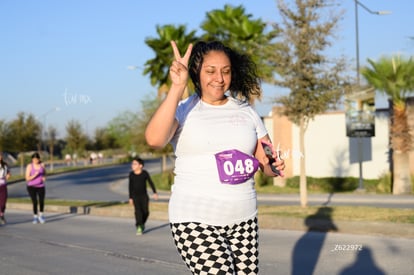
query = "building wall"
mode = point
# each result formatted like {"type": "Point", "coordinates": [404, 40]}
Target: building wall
{"type": "Point", "coordinates": [280, 132]}
{"type": "Point", "coordinates": [329, 152]}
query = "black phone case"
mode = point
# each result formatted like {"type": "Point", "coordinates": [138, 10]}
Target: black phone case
{"type": "Point", "coordinates": [269, 154]}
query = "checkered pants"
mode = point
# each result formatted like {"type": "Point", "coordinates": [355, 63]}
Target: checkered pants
{"type": "Point", "coordinates": [223, 250]}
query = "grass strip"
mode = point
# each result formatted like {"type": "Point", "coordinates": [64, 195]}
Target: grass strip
{"type": "Point", "coordinates": [336, 213]}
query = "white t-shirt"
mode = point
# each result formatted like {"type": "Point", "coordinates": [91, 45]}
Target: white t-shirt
{"type": "Point", "coordinates": [3, 174]}
{"type": "Point", "coordinates": [204, 130]}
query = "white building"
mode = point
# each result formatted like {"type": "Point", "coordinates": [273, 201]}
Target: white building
{"type": "Point", "coordinates": [329, 152]}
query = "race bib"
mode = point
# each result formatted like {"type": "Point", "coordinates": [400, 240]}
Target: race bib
{"type": "Point", "coordinates": [235, 167]}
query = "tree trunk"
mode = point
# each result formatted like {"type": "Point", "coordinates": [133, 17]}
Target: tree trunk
{"type": "Point", "coordinates": [164, 163]}
{"type": "Point", "coordinates": [303, 184]}
{"type": "Point", "coordinates": [401, 144]}
{"type": "Point", "coordinates": [402, 177]}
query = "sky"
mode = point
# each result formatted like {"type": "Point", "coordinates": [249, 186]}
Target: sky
{"type": "Point", "coordinates": [63, 60]}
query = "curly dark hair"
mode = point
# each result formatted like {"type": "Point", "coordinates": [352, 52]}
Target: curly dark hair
{"type": "Point", "coordinates": [245, 81]}
{"type": "Point", "coordinates": [2, 162]}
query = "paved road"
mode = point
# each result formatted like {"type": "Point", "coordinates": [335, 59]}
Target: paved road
{"type": "Point", "coordinates": [110, 184]}
{"type": "Point", "coordinates": [92, 184]}
{"type": "Point", "coordinates": [83, 244]}
{"type": "Point", "coordinates": [17, 169]}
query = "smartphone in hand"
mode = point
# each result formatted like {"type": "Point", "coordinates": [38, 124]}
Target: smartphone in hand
{"type": "Point", "coordinates": [271, 155]}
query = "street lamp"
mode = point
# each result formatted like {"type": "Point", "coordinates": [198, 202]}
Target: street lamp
{"type": "Point", "coordinates": [86, 124]}
{"type": "Point", "coordinates": [358, 3]}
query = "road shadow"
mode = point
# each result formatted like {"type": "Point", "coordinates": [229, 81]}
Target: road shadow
{"type": "Point", "coordinates": [364, 264]}
{"type": "Point", "coordinates": [86, 209]}
{"type": "Point", "coordinates": [58, 217]}
{"type": "Point", "coordinates": [307, 249]}
{"type": "Point", "coordinates": [156, 228]}
{"type": "Point", "coordinates": [328, 199]}
{"type": "Point", "coordinates": [49, 218]}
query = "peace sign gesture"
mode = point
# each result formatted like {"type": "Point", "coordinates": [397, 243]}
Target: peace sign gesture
{"type": "Point", "coordinates": [179, 67]}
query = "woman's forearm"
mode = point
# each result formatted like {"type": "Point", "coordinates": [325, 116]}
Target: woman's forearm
{"type": "Point", "coordinates": [162, 125]}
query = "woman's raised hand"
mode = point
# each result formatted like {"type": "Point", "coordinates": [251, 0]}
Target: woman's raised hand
{"type": "Point", "coordinates": [179, 67]}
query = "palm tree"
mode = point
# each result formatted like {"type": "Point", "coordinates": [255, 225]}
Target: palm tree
{"type": "Point", "coordinates": [158, 67]}
{"type": "Point", "coordinates": [231, 25]}
{"type": "Point", "coordinates": [394, 77]}
{"type": "Point", "coordinates": [238, 30]}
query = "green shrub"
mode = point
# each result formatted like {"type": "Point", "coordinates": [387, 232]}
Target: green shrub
{"type": "Point", "coordinates": [328, 184]}
{"type": "Point", "coordinates": [262, 180]}
{"type": "Point", "coordinates": [164, 180]}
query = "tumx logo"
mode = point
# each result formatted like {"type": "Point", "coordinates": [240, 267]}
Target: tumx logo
{"type": "Point", "coordinates": [76, 99]}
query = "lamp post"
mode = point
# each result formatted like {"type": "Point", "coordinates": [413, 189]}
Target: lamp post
{"type": "Point", "coordinates": [86, 124]}
{"type": "Point", "coordinates": [357, 3]}
{"type": "Point", "coordinates": [358, 79]}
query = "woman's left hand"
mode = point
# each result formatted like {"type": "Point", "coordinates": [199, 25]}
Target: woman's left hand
{"type": "Point", "coordinates": [279, 164]}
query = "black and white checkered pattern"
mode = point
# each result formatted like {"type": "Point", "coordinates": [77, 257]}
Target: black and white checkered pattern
{"type": "Point", "coordinates": [220, 250]}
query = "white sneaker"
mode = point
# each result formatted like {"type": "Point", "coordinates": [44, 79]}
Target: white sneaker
{"type": "Point", "coordinates": [35, 220]}
{"type": "Point", "coordinates": [42, 219]}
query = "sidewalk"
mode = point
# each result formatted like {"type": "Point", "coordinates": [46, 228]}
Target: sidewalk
{"type": "Point", "coordinates": [378, 200]}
